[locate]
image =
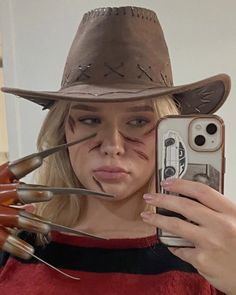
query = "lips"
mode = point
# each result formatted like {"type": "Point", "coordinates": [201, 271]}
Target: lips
{"type": "Point", "coordinates": [110, 173]}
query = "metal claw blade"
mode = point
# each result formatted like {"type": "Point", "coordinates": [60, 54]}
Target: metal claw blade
{"type": "Point", "coordinates": [25, 165]}
{"type": "Point", "coordinates": [62, 190]}
{"type": "Point", "coordinates": [24, 249]}
{"type": "Point", "coordinates": [58, 227]}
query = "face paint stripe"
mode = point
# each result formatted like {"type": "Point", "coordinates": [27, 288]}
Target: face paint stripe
{"type": "Point", "coordinates": [99, 184]}
{"type": "Point", "coordinates": [142, 155]}
{"type": "Point", "coordinates": [150, 131]}
{"type": "Point", "coordinates": [135, 140]}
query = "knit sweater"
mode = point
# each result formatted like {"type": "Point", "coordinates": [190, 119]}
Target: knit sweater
{"type": "Point", "coordinates": [116, 266]}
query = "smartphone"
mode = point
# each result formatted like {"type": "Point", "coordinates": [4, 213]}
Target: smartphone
{"type": "Point", "coordinates": [192, 148]}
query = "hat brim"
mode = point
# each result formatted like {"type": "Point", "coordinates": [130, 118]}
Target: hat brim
{"type": "Point", "coordinates": [205, 96]}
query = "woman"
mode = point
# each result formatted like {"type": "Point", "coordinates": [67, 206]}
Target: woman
{"type": "Point", "coordinates": [117, 84]}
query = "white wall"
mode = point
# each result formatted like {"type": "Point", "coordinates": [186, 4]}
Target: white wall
{"type": "Point", "coordinates": [36, 36]}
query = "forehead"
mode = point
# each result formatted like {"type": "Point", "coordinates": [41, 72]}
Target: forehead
{"type": "Point", "coordinates": [134, 106]}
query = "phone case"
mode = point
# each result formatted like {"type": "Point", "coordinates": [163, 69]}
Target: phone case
{"type": "Point", "coordinates": [192, 148]}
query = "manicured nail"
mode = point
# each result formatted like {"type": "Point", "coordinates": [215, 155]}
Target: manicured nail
{"type": "Point", "coordinates": [167, 182]}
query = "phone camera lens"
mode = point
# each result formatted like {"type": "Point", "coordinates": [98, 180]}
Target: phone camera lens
{"type": "Point", "coordinates": [211, 128]}
{"type": "Point", "coordinates": [199, 140]}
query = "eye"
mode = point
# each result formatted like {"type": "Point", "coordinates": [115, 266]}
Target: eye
{"type": "Point", "coordinates": [90, 120]}
{"type": "Point", "coordinates": [138, 122]}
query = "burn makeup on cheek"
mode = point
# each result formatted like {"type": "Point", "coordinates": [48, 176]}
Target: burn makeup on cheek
{"type": "Point", "coordinates": [140, 143]}
{"type": "Point", "coordinates": [98, 184]}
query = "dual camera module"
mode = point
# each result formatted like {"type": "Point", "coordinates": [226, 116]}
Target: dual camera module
{"type": "Point", "coordinates": [211, 129]}
{"type": "Point", "coordinates": [205, 134]}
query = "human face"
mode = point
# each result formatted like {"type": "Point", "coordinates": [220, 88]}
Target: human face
{"type": "Point", "coordinates": [120, 159]}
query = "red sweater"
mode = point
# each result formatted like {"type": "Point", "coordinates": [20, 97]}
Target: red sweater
{"type": "Point", "coordinates": [116, 266]}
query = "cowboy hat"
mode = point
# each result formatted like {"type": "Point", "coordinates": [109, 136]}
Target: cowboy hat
{"type": "Point", "coordinates": [120, 54]}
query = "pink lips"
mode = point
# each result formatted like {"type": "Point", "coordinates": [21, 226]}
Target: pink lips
{"type": "Point", "coordinates": [110, 173]}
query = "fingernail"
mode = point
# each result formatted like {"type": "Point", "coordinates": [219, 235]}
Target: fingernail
{"type": "Point", "coordinates": [167, 182]}
{"type": "Point", "coordinates": [148, 197]}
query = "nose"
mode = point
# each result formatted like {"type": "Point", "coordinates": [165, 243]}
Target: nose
{"type": "Point", "coordinates": [112, 142]}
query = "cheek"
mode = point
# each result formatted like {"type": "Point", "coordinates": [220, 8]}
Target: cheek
{"type": "Point", "coordinates": [79, 162]}
{"type": "Point", "coordinates": [73, 155]}
{"type": "Point", "coordinates": [146, 146]}
{"type": "Point", "coordinates": [143, 157]}
{"type": "Point", "coordinates": [69, 132]}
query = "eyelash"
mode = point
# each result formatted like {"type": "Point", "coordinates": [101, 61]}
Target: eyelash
{"type": "Point", "coordinates": [96, 121]}
{"type": "Point", "coordinates": [138, 120]}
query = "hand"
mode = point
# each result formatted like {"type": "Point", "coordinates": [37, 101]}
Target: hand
{"type": "Point", "coordinates": [213, 232]}
{"type": "Point", "coordinates": [14, 193]}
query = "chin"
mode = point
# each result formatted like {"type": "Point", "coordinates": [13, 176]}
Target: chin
{"type": "Point", "coordinates": [119, 194]}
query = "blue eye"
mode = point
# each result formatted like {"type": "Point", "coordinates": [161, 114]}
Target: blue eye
{"type": "Point", "coordinates": [139, 122]}
{"type": "Point", "coordinates": [90, 121]}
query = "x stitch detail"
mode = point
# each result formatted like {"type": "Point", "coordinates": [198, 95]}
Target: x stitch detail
{"type": "Point", "coordinates": [144, 72]}
{"type": "Point", "coordinates": [114, 69]}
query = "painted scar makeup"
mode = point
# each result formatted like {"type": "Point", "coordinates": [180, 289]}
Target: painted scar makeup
{"type": "Point", "coordinates": [150, 131]}
{"type": "Point", "coordinates": [141, 155]}
{"type": "Point", "coordinates": [94, 146]}
{"type": "Point", "coordinates": [131, 139]}
{"type": "Point", "coordinates": [98, 184]}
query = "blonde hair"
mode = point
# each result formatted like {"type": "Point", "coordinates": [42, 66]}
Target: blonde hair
{"type": "Point", "coordinates": [57, 170]}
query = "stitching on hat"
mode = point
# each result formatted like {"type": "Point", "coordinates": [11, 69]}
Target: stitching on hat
{"type": "Point", "coordinates": [83, 74]}
{"type": "Point", "coordinates": [143, 72]}
{"type": "Point", "coordinates": [113, 69]}
{"type": "Point", "coordinates": [103, 11]}
{"type": "Point", "coordinates": [133, 11]}
{"type": "Point", "coordinates": [205, 98]}
{"type": "Point", "coordinates": [116, 9]}
{"type": "Point", "coordinates": [68, 77]}
{"type": "Point", "coordinates": [164, 79]}
{"type": "Point", "coordinates": [124, 10]}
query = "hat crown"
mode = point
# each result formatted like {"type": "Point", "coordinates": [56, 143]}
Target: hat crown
{"type": "Point", "coordinates": [120, 54]}
{"type": "Point", "coordinates": [118, 45]}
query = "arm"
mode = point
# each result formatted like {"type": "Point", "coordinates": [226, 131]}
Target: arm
{"type": "Point", "coordinates": [213, 232]}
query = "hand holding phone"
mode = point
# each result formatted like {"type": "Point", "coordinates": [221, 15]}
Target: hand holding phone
{"type": "Point", "coordinates": [192, 148]}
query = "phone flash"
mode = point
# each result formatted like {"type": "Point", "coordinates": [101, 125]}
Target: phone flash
{"type": "Point", "coordinates": [198, 127]}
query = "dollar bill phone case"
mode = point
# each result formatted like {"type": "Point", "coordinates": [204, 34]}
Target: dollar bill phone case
{"type": "Point", "coordinates": [192, 148]}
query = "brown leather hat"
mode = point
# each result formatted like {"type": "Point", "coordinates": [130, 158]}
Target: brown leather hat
{"type": "Point", "coordinates": [120, 54]}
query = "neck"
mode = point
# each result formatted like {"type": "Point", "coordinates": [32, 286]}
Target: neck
{"type": "Point", "coordinates": [115, 218]}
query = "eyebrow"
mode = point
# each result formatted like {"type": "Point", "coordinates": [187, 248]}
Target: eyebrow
{"type": "Point", "coordinates": [84, 107]}
{"type": "Point", "coordinates": [145, 108]}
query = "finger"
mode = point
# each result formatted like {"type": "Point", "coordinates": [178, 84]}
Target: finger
{"type": "Point", "coordinates": [14, 245]}
{"type": "Point", "coordinates": [200, 192]}
{"type": "Point", "coordinates": [190, 209]}
{"type": "Point", "coordinates": [176, 226]}
{"type": "Point", "coordinates": [14, 193]}
{"type": "Point", "coordinates": [27, 207]}
{"type": "Point", "coordinates": [10, 217]}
